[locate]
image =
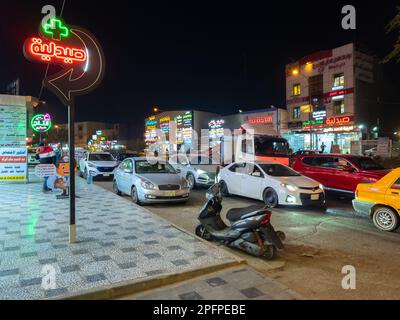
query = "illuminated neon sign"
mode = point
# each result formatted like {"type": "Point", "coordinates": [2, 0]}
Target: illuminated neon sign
{"type": "Point", "coordinates": [56, 29]}
{"type": "Point", "coordinates": [261, 120]}
{"type": "Point", "coordinates": [216, 124]}
{"type": "Point", "coordinates": [338, 121]}
{"type": "Point", "coordinates": [48, 51]}
{"type": "Point", "coordinates": [41, 122]}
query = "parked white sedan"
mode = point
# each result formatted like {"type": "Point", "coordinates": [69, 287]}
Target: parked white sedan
{"type": "Point", "coordinates": [274, 183]}
{"type": "Point", "coordinates": [150, 181]}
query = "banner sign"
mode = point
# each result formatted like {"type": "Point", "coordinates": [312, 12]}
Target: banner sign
{"type": "Point", "coordinates": [13, 152]}
{"type": "Point", "coordinates": [45, 170]}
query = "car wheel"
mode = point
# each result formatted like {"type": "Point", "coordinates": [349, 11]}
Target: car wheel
{"type": "Point", "coordinates": [191, 181]}
{"type": "Point", "coordinates": [270, 252]}
{"type": "Point", "coordinates": [134, 195]}
{"type": "Point", "coordinates": [202, 232]}
{"type": "Point", "coordinates": [270, 198]}
{"type": "Point", "coordinates": [385, 219]}
{"type": "Point", "coordinates": [224, 189]}
{"type": "Point", "coordinates": [115, 188]}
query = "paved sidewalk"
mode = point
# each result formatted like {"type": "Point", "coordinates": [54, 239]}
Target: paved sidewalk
{"type": "Point", "coordinates": [118, 242]}
{"type": "Point", "coordinates": [239, 283]}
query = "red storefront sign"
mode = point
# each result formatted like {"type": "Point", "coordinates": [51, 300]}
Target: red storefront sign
{"type": "Point", "coordinates": [339, 121]}
{"type": "Point", "coordinates": [261, 120]}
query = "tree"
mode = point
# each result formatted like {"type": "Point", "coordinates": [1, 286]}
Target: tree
{"type": "Point", "coordinates": [392, 26]}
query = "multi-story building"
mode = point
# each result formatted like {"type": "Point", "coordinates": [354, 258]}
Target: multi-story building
{"type": "Point", "coordinates": [328, 97]}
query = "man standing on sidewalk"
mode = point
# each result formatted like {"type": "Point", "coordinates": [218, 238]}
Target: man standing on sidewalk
{"type": "Point", "coordinates": [45, 155]}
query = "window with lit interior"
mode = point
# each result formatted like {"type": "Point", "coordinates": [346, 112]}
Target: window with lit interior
{"type": "Point", "coordinates": [296, 113]}
{"type": "Point", "coordinates": [338, 80]}
{"type": "Point", "coordinates": [296, 90]}
{"type": "Point", "coordinates": [338, 107]}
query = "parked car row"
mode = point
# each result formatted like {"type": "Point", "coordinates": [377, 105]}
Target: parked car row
{"type": "Point", "coordinates": [376, 189]}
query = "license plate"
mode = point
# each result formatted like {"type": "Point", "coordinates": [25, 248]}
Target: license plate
{"type": "Point", "coordinates": [315, 197]}
{"type": "Point", "coordinates": [170, 193]}
{"type": "Point", "coordinates": [106, 174]}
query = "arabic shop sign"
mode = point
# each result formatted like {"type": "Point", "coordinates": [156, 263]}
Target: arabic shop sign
{"type": "Point", "coordinates": [330, 122]}
{"type": "Point", "coordinates": [73, 48]}
{"type": "Point", "coordinates": [261, 120]}
{"type": "Point", "coordinates": [319, 115]}
{"type": "Point", "coordinates": [41, 122]}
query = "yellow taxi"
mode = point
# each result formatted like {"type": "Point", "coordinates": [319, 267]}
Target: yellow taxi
{"type": "Point", "coordinates": [380, 201]}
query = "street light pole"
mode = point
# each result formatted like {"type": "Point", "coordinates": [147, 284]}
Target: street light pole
{"type": "Point", "coordinates": [71, 143]}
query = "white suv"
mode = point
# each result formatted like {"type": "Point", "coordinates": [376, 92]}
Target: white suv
{"type": "Point", "coordinates": [97, 164]}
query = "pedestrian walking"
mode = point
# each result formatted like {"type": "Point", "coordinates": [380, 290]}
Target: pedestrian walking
{"type": "Point", "coordinates": [323, 146]}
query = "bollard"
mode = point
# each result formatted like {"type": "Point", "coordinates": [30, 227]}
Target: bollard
{"type": "Point", "coordinates": [89, 178]}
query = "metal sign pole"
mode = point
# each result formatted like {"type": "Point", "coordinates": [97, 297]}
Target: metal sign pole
{"type": "Point", "coordinates": [71, 143]}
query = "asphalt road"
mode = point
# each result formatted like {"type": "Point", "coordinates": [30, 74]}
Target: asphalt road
{"type": "Point", "coordinates": [319, 244]}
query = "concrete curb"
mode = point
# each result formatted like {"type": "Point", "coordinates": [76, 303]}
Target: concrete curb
{"type": "Point", "coordinates": [150, 283]}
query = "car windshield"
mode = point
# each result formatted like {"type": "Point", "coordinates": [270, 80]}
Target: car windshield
{"type": "Point", "coordinates": [269, 146]}
{"type": "Point", "coordinates": [366, 164]}
{"type": "Point", "coordinates": [143, 167]}
{"type": "Point", "coordinates": [278, 170]}
{"type": "Point", "coordinates": [100, 157]}
{"type": "Point", "coordinates": [123, 156]}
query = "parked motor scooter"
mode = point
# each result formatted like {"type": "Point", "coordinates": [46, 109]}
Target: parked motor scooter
{"type": "Point", "coordinates": [250, 228]}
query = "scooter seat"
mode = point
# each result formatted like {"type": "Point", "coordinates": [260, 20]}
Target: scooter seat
{"type": "Point", "coordinates": [235, 214]}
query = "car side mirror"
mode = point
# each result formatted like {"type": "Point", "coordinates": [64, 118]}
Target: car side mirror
{"type": "Point", "coordinates": [178, 170]}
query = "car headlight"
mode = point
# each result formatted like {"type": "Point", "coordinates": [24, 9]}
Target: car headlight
{"type": "Point", "coordinates": [321, 186]}
{"type": "Point", "coordinates": [185, 184]}
{"type": "Point", "coordinates": [91, 165]}
{"type": "Point", "coordinates": [289, 187]}
{"type": "Point", "coordinates": [147, 185]}
{"type": "Point", "coordinates": [200, 171]}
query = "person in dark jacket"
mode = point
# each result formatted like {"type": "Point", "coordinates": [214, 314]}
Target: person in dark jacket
{"type": "Point", "coordinates": [46, 155]}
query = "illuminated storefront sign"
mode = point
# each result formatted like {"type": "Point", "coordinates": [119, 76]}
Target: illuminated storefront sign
{"type": "Point", "coordinates": [216, 128]}
{"type": "Point", "coordinates": [48, 51]}
{"type": "Point", "coordinates": [164, 124]}
{"type": "Point", "coordinates": [261, 120]}
{"type": "Point", "coordinates": [41, 122]}
{"type": "Point", "coordinates": [187, 131]}
{"type": "Point", "coordinates": [319, 115]}
{"type": "Point", "coordinates": [338, 121]}
{"type": "Point", "coordinates": [336, 93]}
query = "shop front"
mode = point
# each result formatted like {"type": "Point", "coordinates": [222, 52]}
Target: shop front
{"type": "Point", "coordinates": [336, 133]}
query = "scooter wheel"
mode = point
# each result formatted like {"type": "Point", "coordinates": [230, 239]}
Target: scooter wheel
{"type": "Point", "coordinates": [202, 232]}
{"type": "Point", "coordinates": [270, 252]}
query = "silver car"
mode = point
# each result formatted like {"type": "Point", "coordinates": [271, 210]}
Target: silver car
{"type": "Point", "coordinates": [150, 181]}
{"type": "Point", "coordinates": [198, 170]}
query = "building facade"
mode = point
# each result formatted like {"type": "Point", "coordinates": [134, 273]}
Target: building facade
{"type": "Point", "coordinates": [327, 96]}
{"type": "Point", "coordinates": [194, 127]}
{"type": "Point", "coordinates": [101, 133]}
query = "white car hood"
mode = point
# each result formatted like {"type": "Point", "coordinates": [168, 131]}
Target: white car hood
{"type": "Point", "coordinates": [104, 163]}
{"type": "Point", "coordinates": [300, 181]}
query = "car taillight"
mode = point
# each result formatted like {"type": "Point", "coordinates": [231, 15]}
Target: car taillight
{"type": "Point", "coordinates": [266, 218]}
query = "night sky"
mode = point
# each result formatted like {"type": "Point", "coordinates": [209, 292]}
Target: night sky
{"type": "Point", "coordinates": [192, 54]}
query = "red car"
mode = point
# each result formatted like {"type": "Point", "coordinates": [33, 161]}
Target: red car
{"type": "Point", "coordinates": [337, 172]}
